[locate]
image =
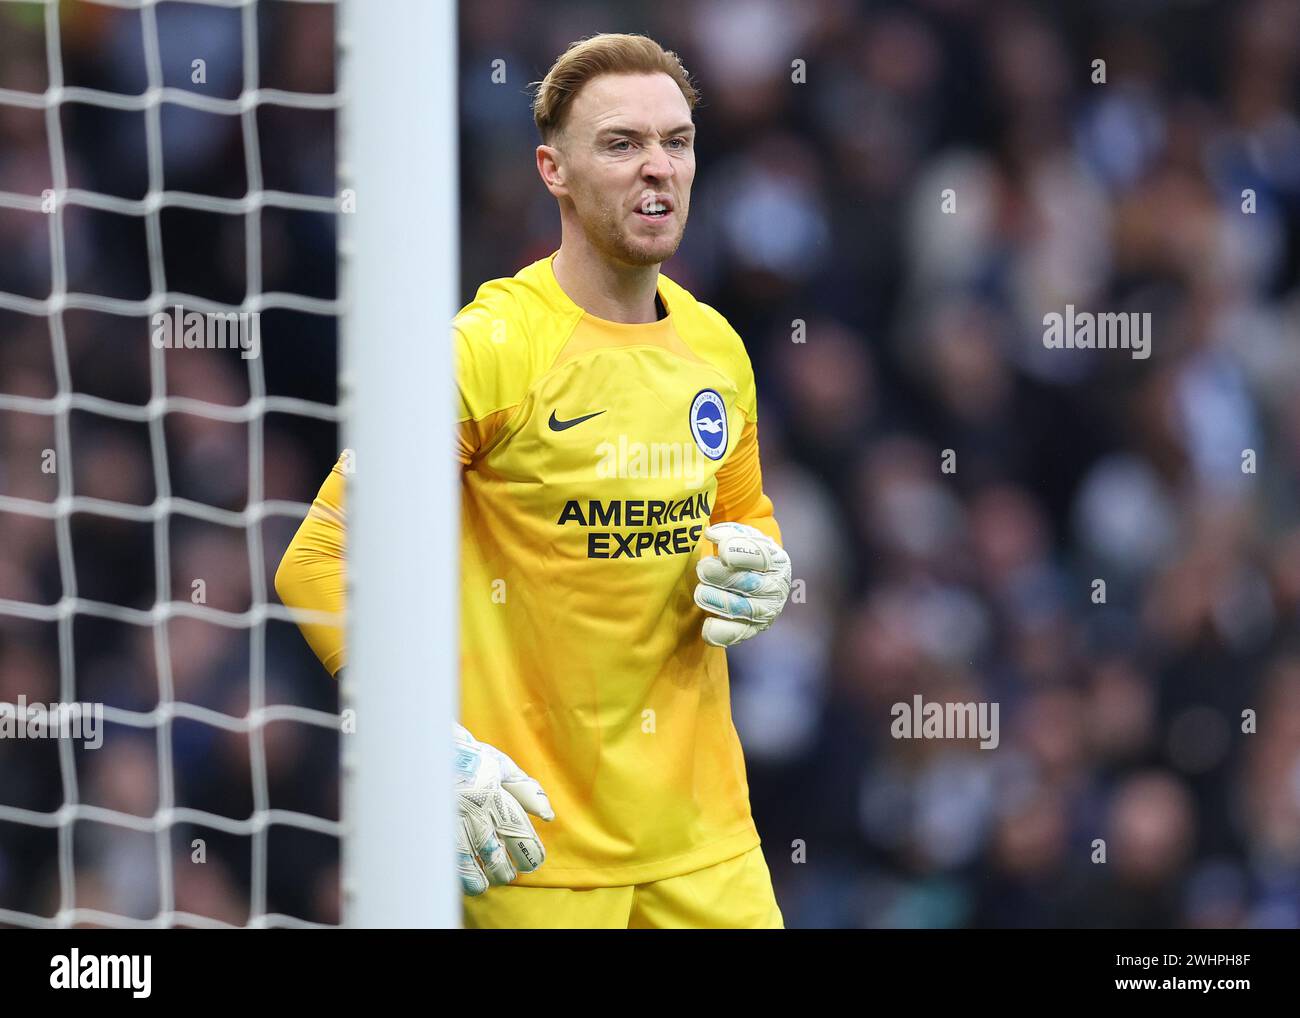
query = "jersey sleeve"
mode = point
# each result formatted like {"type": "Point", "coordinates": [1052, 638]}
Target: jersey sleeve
{"type": "Point", "coordinates": [488, 336]}
{"type": "Point", "coordinates": [312, 574]}
{"type": "Point", "coordinates": [740, 496]}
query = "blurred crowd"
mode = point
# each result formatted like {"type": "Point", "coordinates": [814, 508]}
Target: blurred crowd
{"type": "Point", "coordinates": [1152, 721]}
{"type": "Point", "coordinates": [821, 203]}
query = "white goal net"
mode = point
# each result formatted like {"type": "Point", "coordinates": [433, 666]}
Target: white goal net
{"type": "Point", "coordinates": [173, 160]}
{"type": "Point", "coordinates": [172, 196]}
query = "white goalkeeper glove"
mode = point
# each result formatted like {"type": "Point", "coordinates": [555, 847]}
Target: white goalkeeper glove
{"type": "Point", "coordinates": [495, 841]}
{"type": "Point", "coordinates": [745, 585]}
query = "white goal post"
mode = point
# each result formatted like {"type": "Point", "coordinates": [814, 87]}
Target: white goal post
{"type": "Point", "coordinates": [400, 262]}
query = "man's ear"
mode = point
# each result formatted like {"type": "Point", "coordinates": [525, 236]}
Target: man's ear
{"type": "Point", "coordinates": [549, 168]}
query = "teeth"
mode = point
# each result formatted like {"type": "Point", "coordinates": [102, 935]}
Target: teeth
{"type": "Point", "coordinates": [655, 206]}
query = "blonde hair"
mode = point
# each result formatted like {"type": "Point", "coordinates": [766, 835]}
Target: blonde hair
{"type": "Point", "coordinates": [608, 53]}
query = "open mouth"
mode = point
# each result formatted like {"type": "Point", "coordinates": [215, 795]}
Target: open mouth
{"type": "Point", "coordinates": [655, 209]}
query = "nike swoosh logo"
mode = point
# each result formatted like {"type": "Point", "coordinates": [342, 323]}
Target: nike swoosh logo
{"type": "Point", "coordinates": [559, 425]}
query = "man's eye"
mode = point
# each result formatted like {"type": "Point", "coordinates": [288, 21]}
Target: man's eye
{"type": "Point", "coordinates": [618, 145]}
{"type": "Point", "coordinates": [677, 142]}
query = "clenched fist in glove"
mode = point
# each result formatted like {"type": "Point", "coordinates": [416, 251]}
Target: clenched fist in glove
{"type": "Point", "coordinates": [745, 585]}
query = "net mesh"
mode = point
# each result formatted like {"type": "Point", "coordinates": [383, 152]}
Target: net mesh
{"type": "Point", "coordinates": [168, 506]}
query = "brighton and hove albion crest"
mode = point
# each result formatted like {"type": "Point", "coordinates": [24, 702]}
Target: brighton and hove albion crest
{"type": "Point", "coordinates": [709, 423]}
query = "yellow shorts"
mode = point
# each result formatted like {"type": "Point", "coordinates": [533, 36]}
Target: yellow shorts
{"type": "Point", "coordinates": [735, 894]}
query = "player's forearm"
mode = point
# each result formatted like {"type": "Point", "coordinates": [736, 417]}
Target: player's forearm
{"type": "Point", "coordinates": [312, 575]}
{"type": "Point", "coordinates": [759, 514]}
{"type": "Point", "coordinates": [740, 497]}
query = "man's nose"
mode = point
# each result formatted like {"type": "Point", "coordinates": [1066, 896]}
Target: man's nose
{"type": "Point", "coordinates": [657, 165]}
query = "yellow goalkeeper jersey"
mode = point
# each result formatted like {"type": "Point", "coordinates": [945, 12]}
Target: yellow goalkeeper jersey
{"type": "Point", "coordinates": [594, 454]}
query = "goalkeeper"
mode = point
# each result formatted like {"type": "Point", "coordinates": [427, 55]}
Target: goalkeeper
{"type": "Point", "coordinates": [615, 537]}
